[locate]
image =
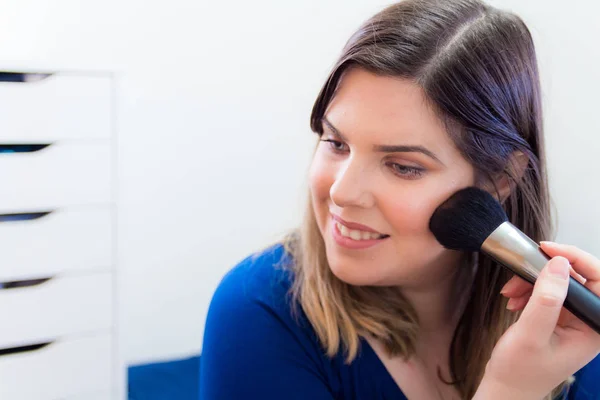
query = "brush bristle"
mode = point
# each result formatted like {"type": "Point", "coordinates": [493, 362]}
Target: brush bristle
{"type": "Point", "coordinates": [466, 219]}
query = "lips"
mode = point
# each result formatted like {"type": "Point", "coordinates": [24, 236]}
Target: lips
{"type": "Point", "coordinates": [355, 230]}
{"type": "Point", "coordinates": [343, 237]}
{"type": "Point", "coordinates": [354, 225]}
{"type": "Point", "coordinates": [357, 234]}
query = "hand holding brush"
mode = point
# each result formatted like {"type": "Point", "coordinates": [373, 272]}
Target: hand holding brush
{"type": "Point", "coordinates": [548, 343]}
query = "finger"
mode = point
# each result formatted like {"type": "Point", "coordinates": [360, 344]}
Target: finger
{"type": "Point", "coordinates": [540, 315]}
{"type": "Point", "coordinates": [518, 303]}
{"type": "Point", "coordinates": [516, 287]}
{"type": "Point", "coordinates": [582, 262]}
{"type": "Point", "coordinates": [578, 277]}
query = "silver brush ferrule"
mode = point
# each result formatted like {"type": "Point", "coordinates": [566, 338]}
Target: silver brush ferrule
{"type": "Point", "coordinates": [510, 247]}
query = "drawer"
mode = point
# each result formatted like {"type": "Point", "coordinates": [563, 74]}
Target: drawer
{"type": "Point", "coordinates": [54, 309]}
{"type": "Point", "coordinates": [54, 107]}
{"type": "Point", "coordinates": [37, 245]}
{"type": "Point", "coordinates": [60, 370]}
{"type": "Point", "coordinates": [61, 174]}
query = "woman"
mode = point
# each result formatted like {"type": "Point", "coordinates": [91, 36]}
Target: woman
{"type": "Point", "coordinates": [361, 302]}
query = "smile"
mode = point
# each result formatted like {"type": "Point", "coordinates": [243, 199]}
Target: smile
{"type": "Point", "coordinates": [353, 238]}
{"type": "Point", "coordinates": [355, 234]}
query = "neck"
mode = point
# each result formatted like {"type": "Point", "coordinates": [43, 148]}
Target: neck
{"type": "Point", "coordinates": [440, 302]}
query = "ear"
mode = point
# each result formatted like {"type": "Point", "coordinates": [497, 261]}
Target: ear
{"type": "Point", "coordinates": [506, 181]}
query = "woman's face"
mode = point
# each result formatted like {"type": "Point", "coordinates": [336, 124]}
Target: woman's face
{"type": "Point", "coordinates": [383, 165]}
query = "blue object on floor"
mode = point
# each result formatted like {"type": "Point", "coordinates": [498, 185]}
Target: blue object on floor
{"type": "Point", "coordinates": [172, 380]}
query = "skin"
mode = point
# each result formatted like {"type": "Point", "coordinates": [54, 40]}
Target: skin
{"type": "Point", "coordinates": [395, 193]}
{"type": "Point", "coordinates": [351, 178]}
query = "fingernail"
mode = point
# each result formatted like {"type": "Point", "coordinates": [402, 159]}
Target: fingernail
{"type": "Point", "coordinates": [559, 266]}
{"type": "Point", "coordinates": [548, 244]}
{"type": "Point", "coordinates": [503, 290]}
{"type": "Point", "coordinates": [510, 305]}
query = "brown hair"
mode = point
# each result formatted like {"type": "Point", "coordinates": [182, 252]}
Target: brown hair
{"type": "Point", "coordinates": [478, 68]}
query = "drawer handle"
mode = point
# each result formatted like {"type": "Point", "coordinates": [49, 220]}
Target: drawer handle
{"type": "Point", "coordinates": [24, 349]}
{"type": "Point", "coordinates": [22, 148]}
{"type": "Point", "coordinates": [23, 216]}
{"type": "Point", "coordinates": [22, 77]}
{"type": "Point", "coordinates": [22, 284]}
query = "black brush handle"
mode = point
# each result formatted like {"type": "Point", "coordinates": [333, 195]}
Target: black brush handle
{"type": "Point", "coordinates": [513, 249]}
{"type": "Point", "coordinates": [584, 304]}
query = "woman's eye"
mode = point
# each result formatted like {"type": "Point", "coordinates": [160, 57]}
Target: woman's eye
{"type": "Point", "coordinates": [336, 145]}
{"type": "Point", "coordinates": [406, 171]}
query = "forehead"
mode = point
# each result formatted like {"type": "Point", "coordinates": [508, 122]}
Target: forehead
{"type": "Point", "coordinates": [386, 110]}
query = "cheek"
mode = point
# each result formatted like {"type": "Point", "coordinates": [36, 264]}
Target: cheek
{"type": "Point", "coordinates": [409, 214]}
{"type": "Point", "coordinates": [409, 211]}
{"type": "Point", "coordinates": [321, 177]}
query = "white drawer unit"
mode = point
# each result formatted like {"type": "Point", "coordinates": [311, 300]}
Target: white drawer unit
{"type": "Point", "coordinates": [40, 107]}
{"type": "Point", "coordinates": [57, 370]}
{"type": "Point", "coordinates": [58, 338]}
{"type": "Point", "coordinates": [31, 247]}
{"type": "Point", "coordinates": [55, 308]}
{"type": "Point", "coordinates": [61, 174]}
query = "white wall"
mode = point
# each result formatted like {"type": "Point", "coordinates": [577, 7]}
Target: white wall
{"type": "Point", "coordinates": [214, 100]}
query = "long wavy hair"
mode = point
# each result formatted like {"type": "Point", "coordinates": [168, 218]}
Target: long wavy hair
{"type": "Point", "coordinates": [477, 66]}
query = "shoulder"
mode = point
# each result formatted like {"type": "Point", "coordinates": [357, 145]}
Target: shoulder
{"type": "Point", "coordinates": [252, 334]}
{"type": "Point", "coordinates": [587, 384]}
{"type": "Point", "coordinates": [253, 305]}
{"type": "Point", "coordinates": [264, 277]}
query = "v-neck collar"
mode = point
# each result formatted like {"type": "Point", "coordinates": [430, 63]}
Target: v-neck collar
{"type": "Point", "coordinates": [391, 390]}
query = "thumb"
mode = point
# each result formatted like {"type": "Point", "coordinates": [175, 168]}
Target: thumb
{"type": "Point", "coordinates": [540, 316]}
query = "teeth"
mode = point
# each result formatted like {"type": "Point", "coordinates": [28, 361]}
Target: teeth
{"type": "Point", "coordinates": [356, 234]}
{"type": "Point", "coordinates": [343, 230]}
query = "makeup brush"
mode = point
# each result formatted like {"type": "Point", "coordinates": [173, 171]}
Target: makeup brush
{"type": "Point", "coordinates": [473, 220]}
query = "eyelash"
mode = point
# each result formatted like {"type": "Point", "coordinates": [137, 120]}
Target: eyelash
{"type": "Point", "coordinates": [413, 172]}
{"type": "Point", "coordinates": [332, 144]}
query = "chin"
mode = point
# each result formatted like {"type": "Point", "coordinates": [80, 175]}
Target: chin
{"type": "Point", "coordinates": [355, 273]}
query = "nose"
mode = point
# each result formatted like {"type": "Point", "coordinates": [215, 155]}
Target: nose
{"type": "Point", "coordinates": [351, 187]}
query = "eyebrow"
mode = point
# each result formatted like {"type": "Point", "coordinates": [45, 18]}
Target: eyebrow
{"type": "Point", "coordinates": [387, 148]}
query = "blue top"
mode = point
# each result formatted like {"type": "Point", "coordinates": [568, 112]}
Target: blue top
{"type": "Point", "coordinates": [254, 348]}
